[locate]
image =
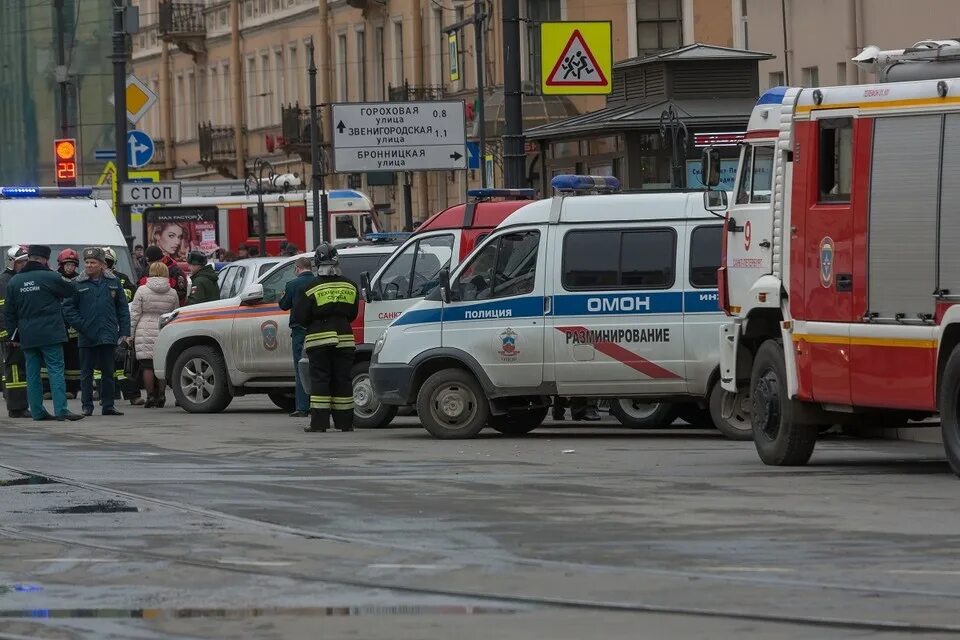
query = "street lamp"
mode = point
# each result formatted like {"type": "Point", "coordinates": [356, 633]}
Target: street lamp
{"type": "Point", "coordinates": [676, 129]}
{"type": "Point", "coordinates": [257, 178]}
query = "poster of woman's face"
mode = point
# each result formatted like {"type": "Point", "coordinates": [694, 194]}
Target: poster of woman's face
{"type": "Point", "coordinates": [180, 230]}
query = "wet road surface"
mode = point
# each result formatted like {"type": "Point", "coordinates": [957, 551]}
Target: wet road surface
{"type": "Point", "coordinates": [163, 524]}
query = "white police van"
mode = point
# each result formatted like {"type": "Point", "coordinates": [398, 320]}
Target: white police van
{"type": "Point", "coordinates": [609, 295]}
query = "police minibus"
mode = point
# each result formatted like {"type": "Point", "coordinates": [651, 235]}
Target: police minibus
{"type": "Point", "coordinates": [599, 295]}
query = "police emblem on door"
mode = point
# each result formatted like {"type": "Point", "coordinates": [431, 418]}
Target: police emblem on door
{"type": "Point", "coordinates": [269, 332]}
{"type": "Point", "coordinates": [826, 262]}
{"type": "Point", "coordinates": [508, 350]}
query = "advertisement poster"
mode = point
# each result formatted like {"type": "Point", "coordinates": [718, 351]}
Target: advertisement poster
{"type": "Point", "coordinates": [180, 230]}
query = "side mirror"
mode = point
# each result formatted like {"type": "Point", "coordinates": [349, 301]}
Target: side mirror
{"type": "Point", "coordinates": [710, 168]}
{"type": "Point", "coordinates": [365, 285]}
{"type": "Point", "coordinates": [715, 200]}
{"type": "Point", "coordinates": [252, 294]}
{"type": "Point", "coordinates": [444, 277]}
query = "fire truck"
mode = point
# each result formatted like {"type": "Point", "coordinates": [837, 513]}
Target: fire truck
{"type": "Point", "coordinates": [840, 266]}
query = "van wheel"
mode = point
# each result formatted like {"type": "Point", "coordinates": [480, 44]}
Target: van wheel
{"type": "Point", "coordinates": [451, 405]}
{"type": "Point", "coordinates": [737, 426]}
{"type": "Point", "coordinates": [637, 414]}
{"type": "Point", "coordinates": [199, 380]}
{"type": "Point", "coordinates": [283, 399]}
{"type": "Point", "coordinates": [779, 438]}
{"type": "Point", "coordinates": [368, 411]}
{"type": "Point", "coordinates": [518, 422]}
{"type": "Point", "coordinates": [950, 410]}
{"type": "Point", "coordinates": [695, 415]}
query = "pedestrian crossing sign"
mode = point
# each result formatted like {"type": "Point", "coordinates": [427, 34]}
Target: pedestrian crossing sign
{"type": "Point", "coordinates": [576, 58]}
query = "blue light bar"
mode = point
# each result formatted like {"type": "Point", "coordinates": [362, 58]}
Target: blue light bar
{"type": "Point", "coordinates": [519, 194]}
{"type": "Point", "coordinates": [45, 192]}
{"type": "Point", "coordinates": [573, 183]}
{"type": "Point", "coordinates": [387, 236]}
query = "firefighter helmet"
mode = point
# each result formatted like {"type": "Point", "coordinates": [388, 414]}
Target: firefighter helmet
{"type": "Point", "coordinates": [68, 255]}
{"type": "Point", "coordinates": [15, 254]}
{"type": "Point", "coordinates": [325, 256]}
{"type": "Point", "coordinates": [109, 256]}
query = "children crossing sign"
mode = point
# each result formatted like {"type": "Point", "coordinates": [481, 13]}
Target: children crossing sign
{"type": "Point", "coordinates": [576, 58]}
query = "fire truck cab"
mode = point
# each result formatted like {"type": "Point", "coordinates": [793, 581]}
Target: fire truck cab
{"type": "Point", "coordinates": [840, 267]}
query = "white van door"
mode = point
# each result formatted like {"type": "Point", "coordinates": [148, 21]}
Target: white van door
{"type": "Point", "coordinates": [618, 310]}
{"type": "Point", "coordinates": [496, 313]}
{"type": "Point", "coordinates": [409, 275]}
{"type": "Point", "coordinates": [702, 316]}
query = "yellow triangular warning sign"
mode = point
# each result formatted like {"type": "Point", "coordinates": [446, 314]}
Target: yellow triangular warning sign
{"type": "Point", "coordinates": [576, 66]}
{"type": "Point", "coordinates": [109, 175]}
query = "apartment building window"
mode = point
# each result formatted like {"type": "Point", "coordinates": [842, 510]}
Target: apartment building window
{"type": "Point", "coordinates": [343, 85]}
{"type": "Point", "coordinates": [438, 40]}
{"type": "Point", "coordinates": [361, 64]}
{"type": "Point", "coordinates": [293, 68]}
{"type": "Point", "coordinates": [178, 99]}
{"type": "Point", "coordinates": [810, 76]}
{"type": "Point", "coordinates": [841, 73]}
{"type": "Point", "coordinates": [279, 82]}
{"type": "Point", "coordinates": [193, 103]}
{"type": "Point", "coordinates": [266, 95]}
{"type": "Point", "coordinates": [226, 93]}
{"type": "Point", "coordinates": [213, 95]}
{"type": "Point", "coordinates": [251, 92]}
{"type": "Point", "coordinates": [659, 25]}
{"type": "Point", "coordinates": [775, 79]}
{"type": "Point", "coordinates": [398, 75]}
{"type": "Point", "coordinates": [744, 33]}
{"type": "Point", "coordinates": [378, 68]}
{"type": "Point", "coordinates": [538, 11]}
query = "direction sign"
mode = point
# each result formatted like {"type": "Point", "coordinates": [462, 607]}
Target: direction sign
{"type": "Point", "coordinates": [104, 154]}
{"type": "Point", "coordinates": [577, 58]}
{"type": "Point", "coordinates": [399, 136]}
{"type": "Point", "coordinates": [139, 149]}
{"type": "Point", "coordinates": [150, 193]}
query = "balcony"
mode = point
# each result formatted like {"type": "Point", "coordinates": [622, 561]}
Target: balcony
{"type": "Point", "coordinates": [183, 24]}
{"type": "Point", "coordinates": [218, 148]}
{"type": "Point", "coordinates": [408, 93]}
{"type": "Point", "coordinates": [159, 153]}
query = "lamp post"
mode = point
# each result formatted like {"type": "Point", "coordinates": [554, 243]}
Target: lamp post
{"type": "Point", "coordinates": [257, 177]}
{"type": "Point", "coordinates": [672, 127]}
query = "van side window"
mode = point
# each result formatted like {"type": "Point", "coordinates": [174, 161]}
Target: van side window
{"type": "Point", "coordinates": [705, 255]}
{"type": "Point", "coordinates": [413, 272]}
{"type": "Point", "coordinates": [756, 174]}
{"type": "Point", "coordinates": [836, 159]}
{"type": "Point", "coordinates": [505, 267]}
{"type": "Point", "coordinates": [611, 259]}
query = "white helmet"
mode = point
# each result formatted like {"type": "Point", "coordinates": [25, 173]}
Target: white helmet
{"type": "Point", "coordinates": [15, 254]}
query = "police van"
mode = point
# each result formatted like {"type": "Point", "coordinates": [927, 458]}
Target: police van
{"type": "Point", "coordinates": [599, 295]}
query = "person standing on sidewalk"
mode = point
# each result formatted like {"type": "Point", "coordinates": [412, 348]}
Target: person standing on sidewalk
{"type": "Point", "coordinates": [151, 301]}
{"type": "Point", "coordinates": [14, 365]}
{"type": "Point", "coordinates": [294, 288]}
{"type": "Point", "coordinates": [68, 262]}
{"type": "Point", "coordinates": [98, 310]}
{"type": "Point", "coordinates": [203, 280]}
{"type": "Point", "coordinates": [34, 319]}
{"type": "Point", "coordinates": [128, 386]}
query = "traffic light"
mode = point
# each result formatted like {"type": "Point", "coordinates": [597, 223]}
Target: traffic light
{"type": "Point", "coordinates": [65, 165]}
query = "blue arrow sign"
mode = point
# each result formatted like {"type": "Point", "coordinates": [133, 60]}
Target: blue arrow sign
{"type": "Point", "coordinates": [139, 149]}
{"type": "Point", "coordinates": [473, 154]}
{"type": "Point", "coordinates": [104, 154]}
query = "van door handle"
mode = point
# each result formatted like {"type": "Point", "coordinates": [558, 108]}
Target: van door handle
{"type": "Point", "coordinates": [547, 305]}
{"type": "Point", "coordinates": [765, 244]}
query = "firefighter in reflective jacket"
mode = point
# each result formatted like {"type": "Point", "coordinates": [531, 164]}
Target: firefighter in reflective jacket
{"type": "Point", "coordinates": [326, 307]}
{"type": "Point", "coordinates": [14, 363]}
{"type": "Point", "coordinates": [68, 262]}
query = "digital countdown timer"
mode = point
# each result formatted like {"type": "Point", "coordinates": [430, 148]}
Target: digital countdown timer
{"type": "Point", "coordinates": [65, 156]}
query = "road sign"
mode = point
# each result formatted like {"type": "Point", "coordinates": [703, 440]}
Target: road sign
{"type": "Point", "coordinates": [104, 154]}
{"type": "Point", "coordinates": [139, 99]}
{"type": "Point", "coordinates": [109, 175]}
{"type": "Point", "coordinates": [139, 149]}
{"type": "Point", "coordinates": [399, 136]}
{"type": "Point", "coordinates": [65, 161]}
{"type": "Point", "coordinates": [454, 53]}
{"type": "Point", "coordinates": [577, 58]}
{"type": "Point", "coordinates": [150, 193]}
{"type": "Point", "coordinates": [473, 155]}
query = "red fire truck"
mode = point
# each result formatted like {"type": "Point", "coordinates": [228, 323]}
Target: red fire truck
{"type": "Point", "coordinates": [841, 258]}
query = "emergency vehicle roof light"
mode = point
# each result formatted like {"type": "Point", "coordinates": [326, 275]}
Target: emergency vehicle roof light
{"type": "Point", "coordinates": [573, 183]}
{"type": "Point", "coordinates": [387, 236]}
{"type": "Point", "coordinates": [46, 192]}
{"type": "Point", "coordinates": [517, 194]}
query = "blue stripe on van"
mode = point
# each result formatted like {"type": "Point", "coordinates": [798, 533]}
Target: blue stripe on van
{"type": "Point", "coordinates": [702, 301]}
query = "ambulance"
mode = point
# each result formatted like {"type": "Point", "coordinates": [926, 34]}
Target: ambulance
{"type": "Point", "coordinates": [841, 269]}
{"type": "Point", "coordinates": [598, 295]}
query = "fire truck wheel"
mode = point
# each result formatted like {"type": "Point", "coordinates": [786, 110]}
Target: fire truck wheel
{"type": "Point", "coordinates": [737, 426]}
{"type": "Point", "coordinates": [780, 439]}
{"type": "Point", "coordinates": [199, 380]}
{"type": "Point", "coordinates": [519, 422]}
{"type": "Point", "coordinates": [368, 411]}
{"type": "Point", "coordinates": [638, 414]}
{"type": "Point", "coordinates": [451, 405]}
{"type": "Point", "coordinates": [950, 410]}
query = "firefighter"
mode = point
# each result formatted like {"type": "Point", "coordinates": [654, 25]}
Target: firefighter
{"type": "Point", "coordinates": [68, 262]}
{"type": "Point", "coordinates": [14, 363]}
{"type": "Point", "coordinates": [125, 387]}
{"type": "Point", "coordinates": [325, 308]}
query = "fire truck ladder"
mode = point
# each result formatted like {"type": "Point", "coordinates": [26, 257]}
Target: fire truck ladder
{"type": "Point", "coordinates": [925, 60]}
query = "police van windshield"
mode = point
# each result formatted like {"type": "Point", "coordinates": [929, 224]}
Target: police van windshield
{"type": "Point", "coordinates": [124, 263]}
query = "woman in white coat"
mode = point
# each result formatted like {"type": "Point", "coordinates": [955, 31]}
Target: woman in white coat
{"type": "Point", "coordinates": [151, 301]}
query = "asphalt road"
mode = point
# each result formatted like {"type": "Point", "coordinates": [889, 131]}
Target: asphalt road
{"type": "Point", "coordinates": [163, 524]}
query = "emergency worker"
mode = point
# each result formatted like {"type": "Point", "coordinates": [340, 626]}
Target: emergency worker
{"type": "Point", "coordinates": [203, 280]}
{"type": "Point", "coordinates": [69, 263]}
{"type": "Point", "coordinates": [325, 308]}
{"type": "Point", "coordinates": [126, 386]}
{"type": "Point", "coordinates": [129, 286]}
{"type": "Point", "coordinates": [293, 289]}
{"type": "Point", "coordinates": [14, 365]}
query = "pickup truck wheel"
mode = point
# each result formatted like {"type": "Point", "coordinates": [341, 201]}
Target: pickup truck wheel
{"type": "Point", "coordinates": [950, 410]}
{"type": "Point", "coordinates": [199, 380]}
{"type": "Point", "coordinates": [451, 405]}
{"type": "Point", "coordinates": [285, 400]}
{"type": "Point", "coordinates": [368, 411]}
{"type": "Point", "coordinates": [637, 414]}
{"type": "Point", "coordinates": [737, 426]}
{"type": "Point", "coordinates": [780, 439]}
{"type": "Point", "coordinates": [519, 422]}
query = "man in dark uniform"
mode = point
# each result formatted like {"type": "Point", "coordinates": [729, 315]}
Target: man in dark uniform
{"type": "Point", "coordinates": [127, 387]}
{"type": "Point", "coordinates": [14, 365]}
{"type": "Point", "coordinates": [68, 262]}
{"type": "Point", "coordinates": [326, 307]}
{"type": "Point", "coordinates": [293, 289]}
